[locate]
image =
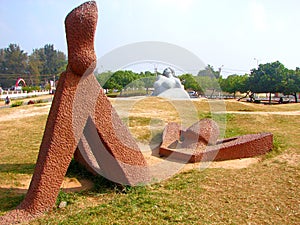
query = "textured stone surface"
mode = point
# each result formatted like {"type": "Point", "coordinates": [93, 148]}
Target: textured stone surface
{"type": "Point", "coordinates": [72, 114]}
{"type": "Point", "coordinates": [171, 135]}
{"type": "Point", "coordinates": [203, 132]}
{"type": "Point", "coordinates": [233, 148]}
{"type": "Point", "coordinates": [80, 31]}
{"type": "Point", "coordinates": [107, 147]}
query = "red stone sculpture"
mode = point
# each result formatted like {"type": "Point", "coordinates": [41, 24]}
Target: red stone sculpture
{"type": "Point", "coordinates": [231, 148]}
{"type": "Point", "coordinates": [202, 133]}
{"type": "Point", "coordinates": [74, 116]}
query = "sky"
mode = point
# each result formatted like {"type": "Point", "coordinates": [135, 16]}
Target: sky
{"type": "Point", "coordinates": [233, 34]}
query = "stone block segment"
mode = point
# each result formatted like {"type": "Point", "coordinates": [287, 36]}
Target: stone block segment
{"type": "Point", "coordinates": [231, 148]}
{"type": "Point", "coordinates": [202, 133]}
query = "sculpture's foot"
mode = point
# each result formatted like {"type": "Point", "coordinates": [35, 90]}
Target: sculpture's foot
{"type": "Point", "coordinates": [17, 216]}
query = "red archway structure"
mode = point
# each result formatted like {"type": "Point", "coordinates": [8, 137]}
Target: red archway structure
{"type": "Point", "coordinates": [20, 80]}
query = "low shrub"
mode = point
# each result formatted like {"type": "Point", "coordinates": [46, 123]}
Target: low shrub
{"type": "Point", "coordinates": [29, 89]}
{"type": "Point", "coordinates": [30, 102]}
{"type": "Point", "coordinates": [133, 93]}
{"type": "Point", "coordinates": [17, 103]}
{"type": "Point", "coordinates": [112, 95]}
{"type": "Point", "coordinates": [40, 101]}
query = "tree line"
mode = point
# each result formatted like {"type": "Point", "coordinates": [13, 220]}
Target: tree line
{"type": "Point", "coordinates": [267, 78]}
{"type": "Point", "coordinates": [35, 68]}
{"type": "Point", "coordinates": [124, 80]}
{"type": "Point", "coordinates": [44, 63]}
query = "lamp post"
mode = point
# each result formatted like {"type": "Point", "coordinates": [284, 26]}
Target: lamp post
{"type": "Point", "coordinates": [257, 60]}
{"type": "Point", "coordinates": [220, 70]}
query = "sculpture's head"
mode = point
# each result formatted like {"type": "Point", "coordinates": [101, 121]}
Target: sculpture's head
{"type": "Point", "coordinates": [80, 29]}
{"type": "Point", "coordinates": [169, 72]}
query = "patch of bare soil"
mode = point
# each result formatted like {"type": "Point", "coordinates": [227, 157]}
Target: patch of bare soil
{"type": "Point", "coordinates": [291, 159]}
{"type": "Point", "coordinates": [74, 185]}
{"type": "Point", "coordinates": [228, 164]}
{"type": "Point", "coordinates": [26, 112]}
{"type": "Point", "coordinates": [68, 185]}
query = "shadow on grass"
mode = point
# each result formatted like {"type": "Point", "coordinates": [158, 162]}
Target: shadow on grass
{"type": "Point", "coordinates": [10, 198]}
{"type": "Point", "coordinates": [26, 168]}
{"type": "Point", "coordinates": [101, 184]}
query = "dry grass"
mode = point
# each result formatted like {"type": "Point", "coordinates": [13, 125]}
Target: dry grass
{"type": "Point", "coordinates": [233, 105]}
{"type": "Point", "coordinates": [146, 117]}
{"type": "Point", "coordinates": [264, 193]}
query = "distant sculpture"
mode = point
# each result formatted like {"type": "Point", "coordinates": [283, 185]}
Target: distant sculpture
{"type": "Point", "coordinates": [169, 86]}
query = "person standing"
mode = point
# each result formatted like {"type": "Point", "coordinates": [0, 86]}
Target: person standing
{"type": "Point", "coordinates": [7, 100]}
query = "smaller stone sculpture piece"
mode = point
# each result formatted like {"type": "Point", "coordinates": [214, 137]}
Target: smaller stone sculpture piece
{"type": "Point", "coordinates": [200, 143]}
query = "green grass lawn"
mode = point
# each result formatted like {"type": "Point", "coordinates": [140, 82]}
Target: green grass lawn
{"type": "Point", "coordinates": [264, 193]}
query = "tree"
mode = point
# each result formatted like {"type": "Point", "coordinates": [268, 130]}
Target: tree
{"type": "Point", "coordinates": [45, 62]}
{"type": "Point", "coordinates": [209, 79]}
{"type": "Point", "coordinates": [35, 65]}
{"type": "Point", "coordinates": [126, 80]}
{"type": "Point", "coordinates": [291, 83]}
{"type": "Point", "coordinates": [103, 78]}
{"type": "Point", "coordinates": [148, 79]}
{"type": "Point", "coordinates": [209, 72]}
{"type": "Point", "coordinates": [2, 60]}
{"type": "Point", "coordinates": [208, 83]}
{"type": "Point", "coordinates": [234, 83]}
{"type": "Point", "coordinates": [120, 79]}
{"type": "Point", "coordinates": [267, 78]}
{"type": "Point", "coordinates": [54, 61]}
{"type": "Point", "coordinates": [14, 60]}
{"type": "Point", "coordinates": [243, 84]}
{"type": "Point", "coordinates": [189, 82]}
